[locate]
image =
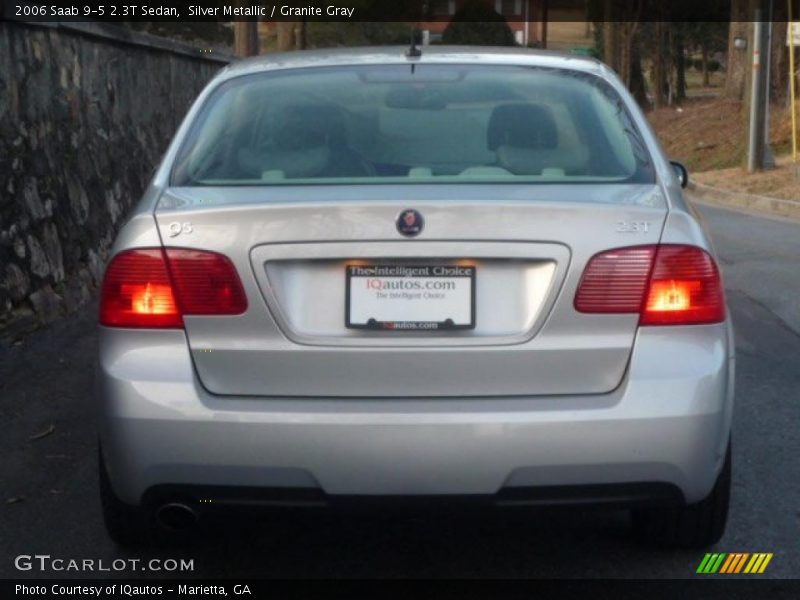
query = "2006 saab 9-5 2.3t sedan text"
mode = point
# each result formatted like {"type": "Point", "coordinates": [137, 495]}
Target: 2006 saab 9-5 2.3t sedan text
{"type": "Point", "coordinates": [374, 274]}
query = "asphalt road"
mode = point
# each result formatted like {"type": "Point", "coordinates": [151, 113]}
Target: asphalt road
{"type": "Point", "coordinates": [48, 489]}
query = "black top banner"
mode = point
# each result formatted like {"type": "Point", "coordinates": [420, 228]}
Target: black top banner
{"type": "Point", "coordinates": [413, 11]}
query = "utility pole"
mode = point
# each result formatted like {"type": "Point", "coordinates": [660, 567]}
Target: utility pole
{"type": "Point", "coordinates": [769, 156]}
{"type": "Point", "coordinates": [792, 84]}
{"type": "Point", "coordinates": [759, 95]}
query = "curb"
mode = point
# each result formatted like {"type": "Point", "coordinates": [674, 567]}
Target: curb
{"type": "Point", "coordinates": [778, 207]}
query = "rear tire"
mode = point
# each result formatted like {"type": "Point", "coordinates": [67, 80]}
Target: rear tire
{"type": "Point", "coordinates": [695, 525]}
{"type": "Point", "coordinates": [126, 525]}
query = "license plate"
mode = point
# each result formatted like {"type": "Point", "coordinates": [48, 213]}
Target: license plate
{"type": "Point", "coordinates": [410, 297]}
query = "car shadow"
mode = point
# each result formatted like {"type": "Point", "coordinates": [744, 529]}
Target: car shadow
{"type": "Point", "coordinates": [520, 543]}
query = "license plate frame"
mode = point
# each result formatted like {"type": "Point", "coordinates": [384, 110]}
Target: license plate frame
{"type": "Point", "coordinates": [463, 277]}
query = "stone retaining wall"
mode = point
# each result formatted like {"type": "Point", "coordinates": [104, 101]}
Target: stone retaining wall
{"type": "Point", "coordinates": [86, 111]}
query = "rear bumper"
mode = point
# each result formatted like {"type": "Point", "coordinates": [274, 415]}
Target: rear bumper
{"type": "Point", "coordinates": [667, 424]}
{"type": "Point", "coordinates": [206, 499]}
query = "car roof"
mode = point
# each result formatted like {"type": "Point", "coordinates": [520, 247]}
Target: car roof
{"type": "Point", "coordinates": [487, 55]}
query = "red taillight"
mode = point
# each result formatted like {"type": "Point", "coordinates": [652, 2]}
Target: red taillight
{"type": "Point", "coordinates": [137, 291]}
{"type": "Point", "coordinates": [615, 281]}
{"type": "Point", "coordinates": [206, 283]}
{"type": "Point", "coordinates": [685, 288]}
{"type": "Point", "coordinates": [154, 288]}
{"type": "Point", "coordinates": [667, 285]}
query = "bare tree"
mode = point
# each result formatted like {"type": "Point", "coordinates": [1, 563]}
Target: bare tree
{"type": "Point", "coordinates": [610, 38]}
{"type": "Point", "coordinates": [660, 64]}
{"type": "Point", "coordinates": [245, 38]}
{"type": "Point", "coordinates": [779, 70]}
{"type": "Point", "coordinates": [738, 59]}
{"type": "Point", "coordinates": [284, 31]}
{"type": "Point", "coordinates": [291, 35]}
{"type": "Point", "coordinates": [621, 44]}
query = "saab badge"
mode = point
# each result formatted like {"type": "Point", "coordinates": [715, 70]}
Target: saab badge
{"type": "Point", "coordinates": [410, 223]}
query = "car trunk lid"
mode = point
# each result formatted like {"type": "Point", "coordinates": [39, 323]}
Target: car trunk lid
{"type": "Point", "coordinates": [528, 246]}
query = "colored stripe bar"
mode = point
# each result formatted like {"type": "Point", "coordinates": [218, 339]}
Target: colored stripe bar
{"type": "Point", "coordinates": [734, 560]}
{"type": "Point", "coordinates": [729, 563]}
{"type": "Point", "coordinates": [765, 563]}
{"type": "Point", "coordinates": [708, 566]}
{"type": "Point", "coordinates": [715, 567]}
{"type": "Point", "coordinates": [756, 565]}
{"type": "Point", "coordinates": [702, 567]}
{"type": "Point", "coordinates": [741, 562]}
{"type": "Point", "coordinates": [751, 564]}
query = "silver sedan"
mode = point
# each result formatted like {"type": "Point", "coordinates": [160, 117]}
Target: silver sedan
{"type": "Point", "coordinates": [372, 274]}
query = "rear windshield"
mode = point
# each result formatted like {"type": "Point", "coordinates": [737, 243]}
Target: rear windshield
{"type": "Point", "coordinates": [413, 124]}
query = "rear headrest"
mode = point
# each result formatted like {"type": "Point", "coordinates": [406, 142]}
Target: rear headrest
{"type": "Point", "coordinates": [311, 125]}
{"type": "Point", "coordinates": [522, 126]}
